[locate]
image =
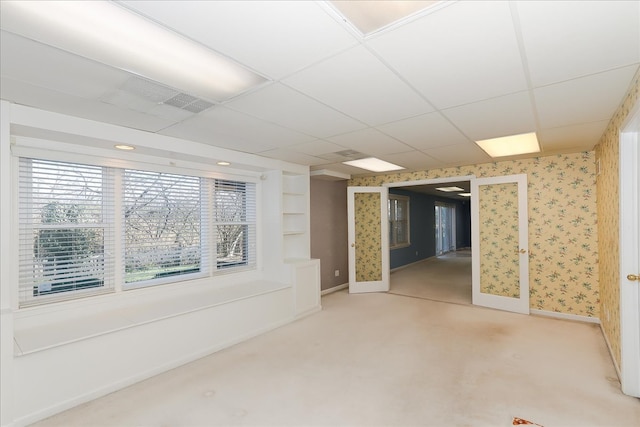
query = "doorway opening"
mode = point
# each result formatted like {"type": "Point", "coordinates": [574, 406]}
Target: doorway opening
{"type": "Point", "coordinates": [437, 263]}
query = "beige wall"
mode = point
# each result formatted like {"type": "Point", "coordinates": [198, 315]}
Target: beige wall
{"type": "Point", "coordinates": [329, 230]}
{"type": "Point", "coordinates": [608, 200]}
{"type": "Point", "coordinates": [563, 239]}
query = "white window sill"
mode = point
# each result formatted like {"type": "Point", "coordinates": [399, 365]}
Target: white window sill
{"type": "Point", "coordinates": [58, 333]}
{"type": "Point", "coordinates": [405, 245]}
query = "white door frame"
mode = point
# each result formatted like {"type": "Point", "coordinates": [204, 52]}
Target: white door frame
{"type": "Point", "coordinates": [630, 253]}
{"type": "Point", "coordinates": [376, 285]}
{"type": "Point", "coordinates": [520, 304]}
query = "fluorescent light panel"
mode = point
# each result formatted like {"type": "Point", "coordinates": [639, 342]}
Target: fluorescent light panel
{"type": "Point", "coordinates": [465, 194]}
{"type": "Point", "coordinates": [510, 145]}
{"type": "Point", "coordinates": [108, 33]}
{"type": "Point", "coordinates": [374, 165]}
{"type": "Point", "coordinates": [449, 189]}
{"type": "Point", "coordinates": [371, 16]}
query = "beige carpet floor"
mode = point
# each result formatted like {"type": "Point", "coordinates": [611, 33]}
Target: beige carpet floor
{"type": "Point", "coordinates": [385, 360]}
{"type": "Point", "coordinates": [445, 278]}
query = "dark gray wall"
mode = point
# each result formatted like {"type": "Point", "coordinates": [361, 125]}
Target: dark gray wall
{"type": "Point", "coordinates": [329, 230]}
{"type": "Point", "coordinates": [422, 227]}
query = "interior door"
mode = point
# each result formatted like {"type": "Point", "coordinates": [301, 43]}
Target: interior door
{"type": "Point", "coordinates": [630, 255]}
{"type": "Point", "coordinates": [368, 229]}
{"type": "Point", "coordinates": [499, 227]}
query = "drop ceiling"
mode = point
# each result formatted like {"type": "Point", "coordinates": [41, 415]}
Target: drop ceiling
{"type": "Point", "coordinates": [417, 93]}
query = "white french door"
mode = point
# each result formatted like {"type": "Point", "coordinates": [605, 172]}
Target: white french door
{"type": "Point", "coordinates": [630, 255]}
{"type": "Point", "coordinates": [368, 233]}
{"type": "Point", "coordinates": [499, 239]}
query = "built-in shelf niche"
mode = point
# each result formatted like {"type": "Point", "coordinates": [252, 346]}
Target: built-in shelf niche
{"type": "Point", "coordinates": [295, 216]}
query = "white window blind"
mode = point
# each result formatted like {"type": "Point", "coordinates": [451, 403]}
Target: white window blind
{"type": "Point", "coordinates": [65, 231]}
{"type": "Point", "coordinates": [234, 219]}
{"type": "Point", "coordinates": [164, 227]}
{"type": "Point", "coordinates": [169, 228]}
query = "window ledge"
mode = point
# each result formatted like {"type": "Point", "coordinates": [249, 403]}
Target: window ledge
{"type": "Point", "coordinates": [59, 333]}
{"type": "Point", "coordinates": [404, 245]}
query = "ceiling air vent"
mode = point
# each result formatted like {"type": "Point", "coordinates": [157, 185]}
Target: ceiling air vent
{"type": "Point", "coordinates": [341, 156]}
{"type": "Point", "coordinates": [160, 94]}
{"type": "Point", "coordinates": [351, 154]}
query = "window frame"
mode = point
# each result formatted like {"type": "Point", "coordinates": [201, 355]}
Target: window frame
{"type": "Point", "coordinates": [394, 221]}
{"type": "Point", "coordinates": [28, 297]}
{"type": "Point", "coordinates": [117, 166]}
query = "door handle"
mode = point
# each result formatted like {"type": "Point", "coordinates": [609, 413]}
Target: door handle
{"type": "Point", "coordinates": [633, 277]}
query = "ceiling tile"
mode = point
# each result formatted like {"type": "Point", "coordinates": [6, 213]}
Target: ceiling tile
{"type": "Point", "coordinates": [413, 160]}
{"type": "Point", "coordinates": [425, 131]}
{"type": "Point", "coordinates": [39, 97]}
{"type": "Point", "coordinates": [588, 99]}
{"type": "Point", "coordinates": [461, 154]}
{"type": "Point", "coordinates": [463, 53]}
{"type": "Point", "coordinates": [358, 84]}
{"type": "Point", "coordinates": [317, 148]}
{"type": "Point", "coordinates": [561, 40]}
{"type": "Point", "coordinates": [371, 142]}
{"type": "Point", "coordinates": [340, 167]}
{"type": "Point", "coordinates": [292, 156]}
{"type": "Point", "coordinates": [274, 38]}
{"type": "Point", "coordinates": [284, 106]}
{"type": "Point", "coordinates": [506, 115]}
{"type": "Point", "coordinates": [229, 129]}
{"type": "Point", "coordinates": [582, 137]}
{"type": "Point", "coordinates": [55, 69]}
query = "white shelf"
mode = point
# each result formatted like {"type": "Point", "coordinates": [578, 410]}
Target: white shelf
{"type": "Point", "coordinates": [295, 216]}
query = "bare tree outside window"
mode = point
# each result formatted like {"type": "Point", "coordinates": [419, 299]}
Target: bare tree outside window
{"type": "Point", "coordinates": [162, 215]}
{"type": "Point", "coordinates": [233, 219]}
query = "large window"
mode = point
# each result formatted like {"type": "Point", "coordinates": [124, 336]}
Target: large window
{"type": "Point", "coordinates": [77, 220]}
{"type": "Point", "coordinates": [398, 221]}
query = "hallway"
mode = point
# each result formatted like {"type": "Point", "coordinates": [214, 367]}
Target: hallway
{"type": "Point", "coordinates": [446, 278]}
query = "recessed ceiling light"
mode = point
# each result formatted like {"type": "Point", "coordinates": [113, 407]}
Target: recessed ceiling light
{"type": "Point", "coordinates": [124, 147]}
{"type": "Point", "coordinates": [223, 163]}
{"type": "Point", "coordinates": [371, 16]}
{"type": "Point", "coordinates": [449, 189]}
{"type": "Point", "coordinates": [465, 194]}
{"type": "Point", "coordinates": [107, 32]}
{"type": "Point", "coordinates": [374, 165]}
{"type": "Point", "coordinates": [510, 145]}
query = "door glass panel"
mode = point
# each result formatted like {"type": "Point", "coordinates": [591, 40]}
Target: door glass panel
{"type": "Point", "coordinates": [444, 229]}
{"type": "Point", "coordinates": [498, 225]}
{"type": "Point", "coordinates": [368, 240]}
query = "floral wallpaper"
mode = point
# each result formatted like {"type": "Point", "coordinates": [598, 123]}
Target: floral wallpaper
{"type": "Point", "coordinates": [499, 258]}
{"type": "Point", "coordinates": [368, 238]}
{"type": "Point", "coordinates": [563, 240]}
{"type": "Point", "coordinates": [608, 195]}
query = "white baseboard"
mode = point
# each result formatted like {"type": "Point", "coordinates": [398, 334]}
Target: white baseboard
{"type": "Point", "coordinates": [565, 316]}
{"type": "Point", "coordinates": [334, 289]}
{"type": "Point", "coordinates": [613, 357]}
{"type": "Point", "coordinates": [309, 312]}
